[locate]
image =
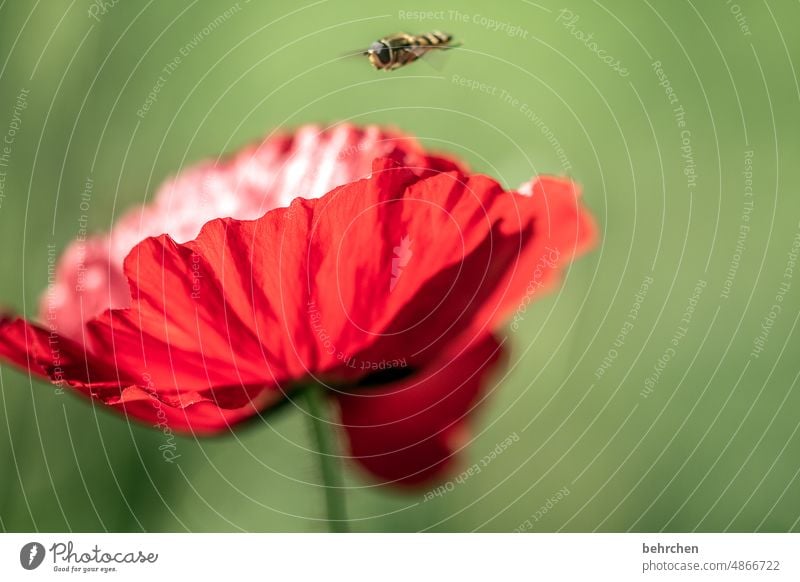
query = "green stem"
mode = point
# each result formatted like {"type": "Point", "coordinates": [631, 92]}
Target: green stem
{"type": "Point", "coordinates": [316, 405]}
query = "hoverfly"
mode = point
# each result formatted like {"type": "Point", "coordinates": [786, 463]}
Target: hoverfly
{"type": "Point", "coordinates": [396, 50]}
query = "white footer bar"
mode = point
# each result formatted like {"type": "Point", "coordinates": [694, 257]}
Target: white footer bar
{"type": "Point", "coordinates": [402, 557]}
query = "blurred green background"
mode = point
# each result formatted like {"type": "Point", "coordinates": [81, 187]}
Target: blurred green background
{"type": "Point", "coordinates": [713, 445]}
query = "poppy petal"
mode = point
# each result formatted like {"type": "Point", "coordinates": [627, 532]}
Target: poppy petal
{"type": "Point", "coordinates": [309, 290]}
{"type": "Point", "coordinates": [308, 162]}
{"type": "Point", "coordinates": [472, 252]}
{"type": "Point", "coordinates": [408, 432]}
{"type": "Point", "coordinates": [64, 362]}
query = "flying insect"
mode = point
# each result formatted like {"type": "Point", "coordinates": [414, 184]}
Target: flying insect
{"type": "Point", "coordinates": [399, 49]}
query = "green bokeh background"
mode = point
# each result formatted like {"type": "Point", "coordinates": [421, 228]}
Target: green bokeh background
{"type": "Point", "coordinates": [714, 447]}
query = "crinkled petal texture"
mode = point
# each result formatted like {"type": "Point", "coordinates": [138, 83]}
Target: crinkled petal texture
{"type": "Point", "coordinates": [387, 289]}
{"type": "Point", "coordinates": [308, 162]}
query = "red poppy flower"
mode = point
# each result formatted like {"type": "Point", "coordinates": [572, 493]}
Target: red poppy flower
{"type": "Point", "coordinates": [386, 289]}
